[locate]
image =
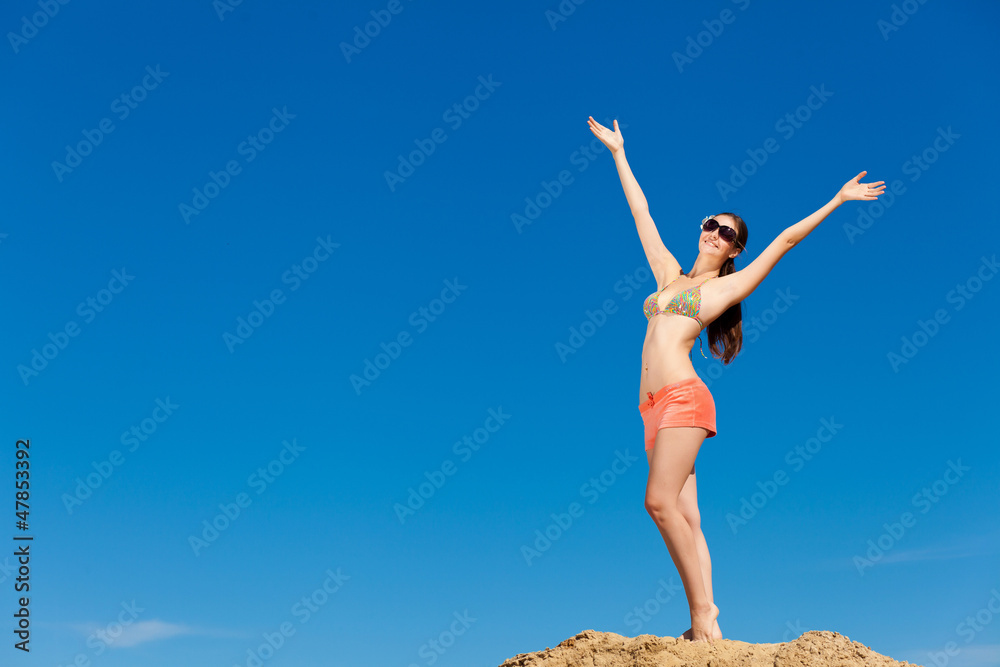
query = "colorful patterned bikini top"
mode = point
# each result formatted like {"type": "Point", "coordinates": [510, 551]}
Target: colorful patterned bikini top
{"type": "Point", "coordinates": [686, 303]}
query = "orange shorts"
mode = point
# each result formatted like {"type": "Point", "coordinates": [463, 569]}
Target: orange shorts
{"type": "Point", "coordinates": [684, 403]}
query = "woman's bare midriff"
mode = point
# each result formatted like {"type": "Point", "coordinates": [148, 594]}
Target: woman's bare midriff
{"type": "Point", "coordinates": [665, 352]}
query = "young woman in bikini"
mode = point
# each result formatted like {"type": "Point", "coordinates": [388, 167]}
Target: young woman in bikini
{"type": "Point", "coordinates": [677, 410]}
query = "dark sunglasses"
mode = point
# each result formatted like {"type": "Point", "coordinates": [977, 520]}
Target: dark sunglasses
{"type": "Point", "coordinates": [726, 233]}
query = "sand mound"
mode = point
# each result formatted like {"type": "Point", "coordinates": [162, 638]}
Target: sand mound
{"type": "Point", "coordinates": [607, 649]}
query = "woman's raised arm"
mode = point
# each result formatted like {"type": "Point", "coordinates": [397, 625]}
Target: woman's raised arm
{"type": "Point", "coordinates": [661, 262]}
{"type": "Point", "coordinates": [741, 284]}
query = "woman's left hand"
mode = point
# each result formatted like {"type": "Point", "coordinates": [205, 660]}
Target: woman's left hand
{"type": "Point", "coordinates": [864, 191]}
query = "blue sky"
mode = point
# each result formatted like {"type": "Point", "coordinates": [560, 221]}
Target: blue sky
{"type": "Point", "coordinates": [265, 290]}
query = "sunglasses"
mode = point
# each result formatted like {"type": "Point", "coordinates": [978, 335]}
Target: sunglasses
{"type": "Point", "coordinates": [726, 233]}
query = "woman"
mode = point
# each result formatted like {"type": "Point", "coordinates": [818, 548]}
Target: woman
{"type": "Point", "coordinates": [677, 409]}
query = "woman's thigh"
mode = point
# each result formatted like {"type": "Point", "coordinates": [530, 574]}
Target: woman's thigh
{"type": "Point", "coordinates": [671, 462]}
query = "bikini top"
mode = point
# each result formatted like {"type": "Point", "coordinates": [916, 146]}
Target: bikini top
{"type": "Point", "coordinates": [686, 303]}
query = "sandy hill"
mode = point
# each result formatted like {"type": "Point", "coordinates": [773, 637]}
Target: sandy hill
{"type": "Point", "coordinates": [607, 649]}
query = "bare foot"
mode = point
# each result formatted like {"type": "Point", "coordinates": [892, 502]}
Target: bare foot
{"type": "Point", "coordinates": [702, 624]}
{"type": "Point", "coordinates": [716, 631]}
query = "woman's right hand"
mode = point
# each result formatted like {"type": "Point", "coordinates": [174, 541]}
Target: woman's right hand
{"type": "Point", "coordinates": [613, 140]}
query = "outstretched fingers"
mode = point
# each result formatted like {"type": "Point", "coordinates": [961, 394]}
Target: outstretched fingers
{"type": "Point", "coordinates": [874, 189]}
{"type": "Point", "coordinates": [854, 189]}
{"type": "Point", "coordinates": [611, 139]}
{"type": "Point", "coordinates": [596, 127]}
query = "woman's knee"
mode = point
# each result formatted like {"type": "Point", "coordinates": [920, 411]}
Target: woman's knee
{"type": "Point", "coordinates": [659, 506]}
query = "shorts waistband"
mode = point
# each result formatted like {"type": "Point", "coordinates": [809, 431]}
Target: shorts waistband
{"type": "Point", "coordinates": [654, 398]}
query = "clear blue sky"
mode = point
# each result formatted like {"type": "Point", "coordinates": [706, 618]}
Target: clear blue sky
{"type": "Point", "coordinates": [202, 247]}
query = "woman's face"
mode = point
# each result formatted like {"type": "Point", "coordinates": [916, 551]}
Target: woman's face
{"type": "Point", "coordinates": [711, 243]}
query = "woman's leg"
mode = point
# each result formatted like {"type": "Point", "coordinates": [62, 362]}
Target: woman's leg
{"type": "Point", "coordinates": [688, 504]}
{"type": "Point", "coordinates": [670, 463]}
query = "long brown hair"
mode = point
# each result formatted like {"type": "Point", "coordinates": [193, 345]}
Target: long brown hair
{"type": "Point", "coordinates": [725, 333]}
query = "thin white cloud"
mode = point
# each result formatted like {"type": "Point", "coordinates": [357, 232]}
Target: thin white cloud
{"type": "Point", "coordinates": [984, 655]}
{"type": "Point", "coordinates": [981, 655]}
{"type": "Point", "coordinates": [141, 632]}
{"type": "Point", "coordinates": [972, 545]}
{"type": "Point", "coordinates": [116, 635]}
{"type": "Point", "coordinates": [947, 552]}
